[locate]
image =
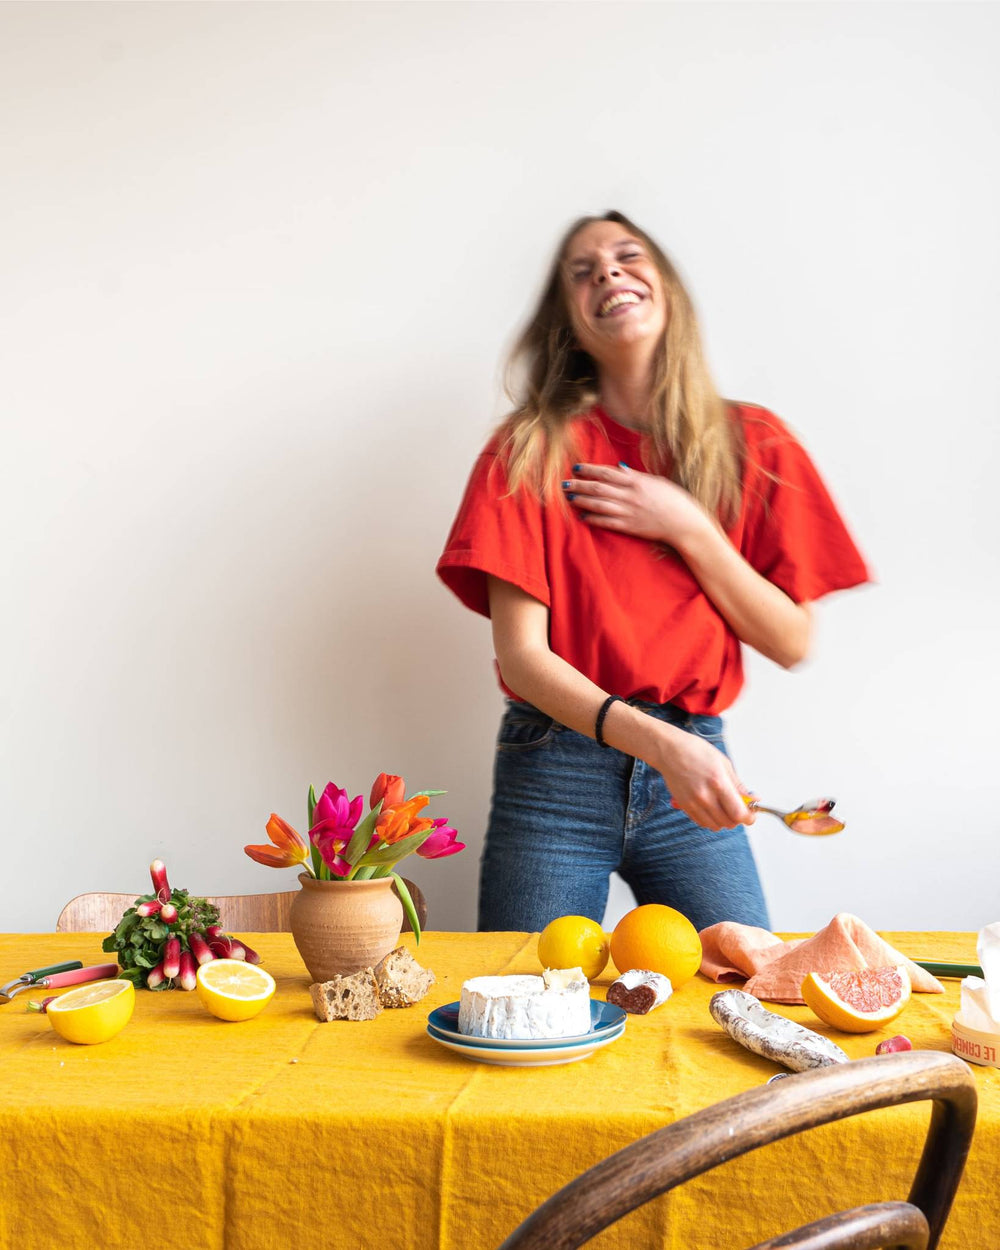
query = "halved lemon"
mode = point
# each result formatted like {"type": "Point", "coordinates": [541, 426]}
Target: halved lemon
{"type": "Point", "coordinates": [234, 990]}
{"type": "Point", "coordinates": [858, 1002]}
{"type": "Point", "coordinates": [93, 1013]}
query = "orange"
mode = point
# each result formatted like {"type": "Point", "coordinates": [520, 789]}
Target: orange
{"type": "Point", "coordinates": [657, 938]}
{"type": "Point", "coordinates": [858, 1002]}
{"type": "Point", "coordinates": [574, 942]}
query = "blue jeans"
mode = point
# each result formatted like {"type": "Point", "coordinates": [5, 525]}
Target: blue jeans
{"type": "Point", "coordinates": [567, 813]}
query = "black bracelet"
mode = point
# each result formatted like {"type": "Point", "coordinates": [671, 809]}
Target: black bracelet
{"type": "Point", "coordinates": [599, 724]}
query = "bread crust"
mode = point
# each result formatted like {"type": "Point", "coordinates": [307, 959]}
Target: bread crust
{"type": "Point", "coordinates": [396, 981]}
{"type": "Point", "coordinates": [354, 997]}
{"type": "Point", "coordinates": [402, 982]}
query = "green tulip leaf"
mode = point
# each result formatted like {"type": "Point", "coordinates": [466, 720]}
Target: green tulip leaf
{"type": "Point", "coordinates": [362, 836]}
{"type": "Point", "coordinates": [407, 901]}
{"type": "Point", "coordinates": [392, 854]}
{"type": "Point", "coordinates": [314, 855]}
{"type": "Point", "coordinates": [311, 802]}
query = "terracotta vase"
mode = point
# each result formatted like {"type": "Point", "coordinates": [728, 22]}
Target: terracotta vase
{"type": "Point", "coordinates": [340, 927]}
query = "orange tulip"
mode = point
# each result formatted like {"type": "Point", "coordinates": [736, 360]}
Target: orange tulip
{"type": "Point", "coordinates": [402, 820]}
{"type": "Point", "coordinates": [389, 788]}
{"type": "Point", "coordinates": [289, 849]}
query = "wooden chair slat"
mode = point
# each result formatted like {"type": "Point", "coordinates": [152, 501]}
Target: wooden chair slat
{"type": "Point", "coordinates": [239, 913]}
{"type": "Point", "coordinates": [871, 1227]}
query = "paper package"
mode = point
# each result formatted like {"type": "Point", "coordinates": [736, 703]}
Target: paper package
{"type": "Point", "coordinates": [980, 1007]}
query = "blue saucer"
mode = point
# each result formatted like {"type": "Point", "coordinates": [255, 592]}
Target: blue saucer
{"type": "Point", "coordinates": [605, 1018]}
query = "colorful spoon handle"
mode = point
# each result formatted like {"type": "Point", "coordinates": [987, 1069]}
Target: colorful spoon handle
{"type": "Point", "coordinates": [97, 973]}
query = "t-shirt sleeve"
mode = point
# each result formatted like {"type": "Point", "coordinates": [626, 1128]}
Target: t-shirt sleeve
{"type": "Point", "coordinates": [496, 533]}
{"type": "Point", "coordinates": [794, 534]}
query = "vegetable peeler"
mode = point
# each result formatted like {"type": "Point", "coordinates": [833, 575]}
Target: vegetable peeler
{"type": "Point", "coordinates": [56, 976]}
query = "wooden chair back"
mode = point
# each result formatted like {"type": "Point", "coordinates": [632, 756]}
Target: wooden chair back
{"type": "Point", "coordinates": [238, 913]}
{"type": "Point", "coordinates": [666, 1158]}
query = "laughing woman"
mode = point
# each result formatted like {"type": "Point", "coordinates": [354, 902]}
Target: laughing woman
{"type": "Point", "coordinates": [628, 532]}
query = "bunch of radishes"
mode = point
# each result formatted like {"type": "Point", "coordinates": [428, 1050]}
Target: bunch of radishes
{"type": "Point", "coordinates": [163, 938]}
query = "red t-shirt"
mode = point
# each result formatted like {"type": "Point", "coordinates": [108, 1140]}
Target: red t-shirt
{"type": "Point", "coordinates": [626, 612]}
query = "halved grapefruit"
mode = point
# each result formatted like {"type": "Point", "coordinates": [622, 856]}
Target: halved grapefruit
{"type": "Point", "coordinates": [858, 1002]}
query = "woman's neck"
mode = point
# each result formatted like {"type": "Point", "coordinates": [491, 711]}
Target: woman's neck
{"type": "Point", "coordinates": [626, 395]}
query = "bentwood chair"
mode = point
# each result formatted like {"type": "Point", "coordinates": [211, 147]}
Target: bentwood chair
{"type": "Point", "coordinates": [238, 913]}
{"type": "Point", "coordinates": [665, 1159]}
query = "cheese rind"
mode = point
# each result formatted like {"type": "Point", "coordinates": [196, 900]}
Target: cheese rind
{"type": "Point", "coordinates": [523, 1007]}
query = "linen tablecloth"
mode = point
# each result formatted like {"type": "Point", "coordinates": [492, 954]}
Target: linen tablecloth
{"type": "Point", "coordinates": [283, 1131]}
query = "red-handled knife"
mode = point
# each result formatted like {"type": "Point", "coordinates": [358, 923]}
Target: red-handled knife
{"type": "Point", "coordinates": [56, 978]}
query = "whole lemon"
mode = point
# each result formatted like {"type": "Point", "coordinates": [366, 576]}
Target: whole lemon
{"type": "Point", "coordinates": [574, 942]}
{"type": "Point", "coordinates": [657, 938]}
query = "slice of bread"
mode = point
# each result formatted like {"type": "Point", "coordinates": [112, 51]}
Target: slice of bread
{"type": "Point", "coordinates": [401, 980]}
{"type": "Point", "coordinates": [354, 997]}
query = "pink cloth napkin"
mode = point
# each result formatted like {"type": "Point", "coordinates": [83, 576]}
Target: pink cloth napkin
{"type": "Point", "coordinates": [776, 969]}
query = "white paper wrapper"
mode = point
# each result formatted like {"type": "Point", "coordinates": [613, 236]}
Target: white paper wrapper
{"type": "Point", "coordinates": [980, 1009]}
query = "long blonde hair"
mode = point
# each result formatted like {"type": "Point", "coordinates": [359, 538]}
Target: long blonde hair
{"type": "Point", "coordinates": [552, 380]}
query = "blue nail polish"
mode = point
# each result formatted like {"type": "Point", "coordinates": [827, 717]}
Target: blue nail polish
{"type": "Point", "coordinates": [577, 468]}
{"type": "Point", "coordinates": [622, 464]}
{"type": "Point", "coordinates": [570, 495]}
{"type": "Point", "coordinates": [565, 485]}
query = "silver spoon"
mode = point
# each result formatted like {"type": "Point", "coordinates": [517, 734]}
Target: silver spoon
{"type": "Point", "coordinates": [812, 818]}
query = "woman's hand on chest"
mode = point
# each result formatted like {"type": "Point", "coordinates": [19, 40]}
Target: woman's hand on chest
{"type": "Point", "coordinates": [629, 501]}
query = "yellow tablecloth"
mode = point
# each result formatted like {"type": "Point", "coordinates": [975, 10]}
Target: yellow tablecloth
{"type": "Point", "coordinates": [283, 1131]}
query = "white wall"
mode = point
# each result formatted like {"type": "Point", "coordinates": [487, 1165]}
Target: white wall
{"type": "Point", "coordinates": [259, 267]}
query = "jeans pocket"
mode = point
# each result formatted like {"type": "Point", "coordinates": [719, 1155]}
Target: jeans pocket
{"type": "Point", "coordinates": [525, 728]}
{"type": "Point", "coordinates": [708, 727]}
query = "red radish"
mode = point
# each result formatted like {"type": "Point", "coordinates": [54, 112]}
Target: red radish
{"type": "Point", "coordinates": [172, 957]}
{"type": "Point", "coordinates": [43, 1005]}
{"type": "Point", "coordinates": [161, 886]}
{"type": "Point", "coordinates": [155, 977]}
{"type": "Point", "coordinates": [200, 948]}
{"type": "Point", "coordinates": [168, 913]}
{"type": "Point", "coordinates": [892, 1044]}
{"type": "Point", "coordinates": [188, 971]}
{"type": "Point", "coordinates": [152, 908]}
{"type": "Point", "coordinates": [216, 931]}
{"type": "Point", "coordinates": [238, 949]}
{"type": "Point", "coordinates": [221, 948]}
{"type": "Point", "coordinates": [251, 955]}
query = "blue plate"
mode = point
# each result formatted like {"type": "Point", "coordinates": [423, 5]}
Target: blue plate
{"type": "Point", "coordinates": [537, 1043]}
{"type": "Point", "coordinates": [541, 1055]}
{"type": "Point", "coordinates": [605, 1018]}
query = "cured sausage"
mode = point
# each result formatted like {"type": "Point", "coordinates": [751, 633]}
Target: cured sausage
{"type": "Point", "coordinates": [770, 1035]}
{"type": "Point", "coordinates": [639, 991]}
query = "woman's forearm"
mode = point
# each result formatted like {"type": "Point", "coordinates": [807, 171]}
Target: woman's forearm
{"type": "Point", "coordinates": [758, 612]}
{"type": "Point", "coordinates": [539, 676]}
{"type": "Point", "coordinates": [648, 506]}
{"type": "Point", "coordinates": [700, 778]}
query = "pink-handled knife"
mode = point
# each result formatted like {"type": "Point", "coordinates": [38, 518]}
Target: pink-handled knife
{"type": "Point", "coordinates": [45, 978]}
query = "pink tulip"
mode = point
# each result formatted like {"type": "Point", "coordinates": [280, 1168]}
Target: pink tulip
{"type": "Point", "coordinates": [441, 841]}
{"type": "Point", "coordinates": [333, 804]}
{"type": "Point", "coordinates": [333, 827]}
{"type": "Point", "coordinates": [330, 847]}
